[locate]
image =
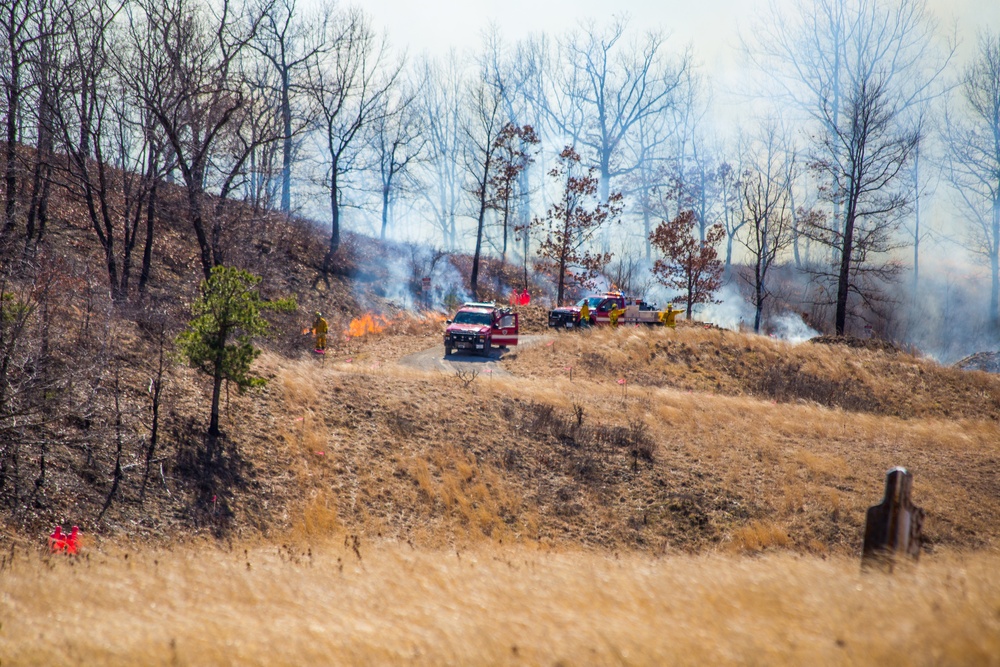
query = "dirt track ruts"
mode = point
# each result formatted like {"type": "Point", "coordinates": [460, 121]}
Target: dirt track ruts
{"type": "Point", "coordinates": [433, 359]}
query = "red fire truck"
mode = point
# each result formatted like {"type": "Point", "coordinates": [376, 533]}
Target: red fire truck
{"type": "Point", "coordinates": [636, 311]}
{"type": "Point", "coordinates": [478, 327]}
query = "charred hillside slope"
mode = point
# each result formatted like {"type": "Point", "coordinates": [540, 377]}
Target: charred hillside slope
{"type": "Point", "coordinates": [99, 424]}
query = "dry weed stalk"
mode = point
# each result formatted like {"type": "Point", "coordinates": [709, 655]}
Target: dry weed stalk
{"type": "Point", "coordinates": [466, 376]}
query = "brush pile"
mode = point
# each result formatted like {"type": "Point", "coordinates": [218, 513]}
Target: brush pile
{"type": "Point", "coordinates": [981, 361]}
{"type": "Point", "coordinates": [876, 344]}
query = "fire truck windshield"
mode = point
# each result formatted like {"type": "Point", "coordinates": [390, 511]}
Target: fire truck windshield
{"type": "Point", "coordinates": [465, 317]}
{"type": "Point", "coordinates": [591, 301]}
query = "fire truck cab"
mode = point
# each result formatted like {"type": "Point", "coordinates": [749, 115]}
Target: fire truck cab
{"type": "Point", "coordinates": [478, 327]}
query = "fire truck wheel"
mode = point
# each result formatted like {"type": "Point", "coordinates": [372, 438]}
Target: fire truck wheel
{"type": "Point", "coordinates": [448, 351]}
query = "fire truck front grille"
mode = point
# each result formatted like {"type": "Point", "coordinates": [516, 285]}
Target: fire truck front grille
{"type": "Point", "coordinates": [559, 319]}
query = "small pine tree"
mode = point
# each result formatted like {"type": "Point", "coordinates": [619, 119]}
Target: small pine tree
{"type": "Point", "coordinates": [219, 340]}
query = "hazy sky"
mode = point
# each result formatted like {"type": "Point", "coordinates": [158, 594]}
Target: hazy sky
{"type": "Point", "coordinates": [711, 26]}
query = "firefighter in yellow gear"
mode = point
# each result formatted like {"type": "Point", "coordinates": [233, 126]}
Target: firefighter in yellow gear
{"type": "Point", "coordinates": [584, 315]}
{"type": "Point", "coordinates": [319, 329]}
{"type": "Point", "coordinates": [614, 314]}
{"type": "Point", "coordinates": [669, 316]}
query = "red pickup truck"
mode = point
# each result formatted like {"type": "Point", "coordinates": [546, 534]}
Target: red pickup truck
{"type": "Point", "coordinates": [478, 327]}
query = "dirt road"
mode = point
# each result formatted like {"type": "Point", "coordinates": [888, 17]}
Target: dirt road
{"type": "Point", "coordinates": [433, 359]}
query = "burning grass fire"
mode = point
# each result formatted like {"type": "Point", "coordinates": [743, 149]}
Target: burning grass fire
{"type": "Point", "coordinates": [403, 322]}
{"type": "Point", "coordinates": [367, 324]}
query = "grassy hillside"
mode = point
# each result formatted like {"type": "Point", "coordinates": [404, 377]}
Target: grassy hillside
{"type": "Point", "coordinates": [370, 448]}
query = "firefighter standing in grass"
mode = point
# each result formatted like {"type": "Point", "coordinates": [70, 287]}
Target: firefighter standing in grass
{"type": "Point", "coordinates": [614, 314]}
{"type": "Point", "coordinates": [669, 316]}
{"type": "Point", "coordinates": [319, 329]}
{"type": "Point", "coordinates": [584, 315]}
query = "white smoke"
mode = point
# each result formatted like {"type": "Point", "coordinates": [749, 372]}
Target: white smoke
{"type": "Point", "coordinates": [733, 313]}
{"type": "Point", "coordinates": [401, 270]}
{"type": "Point", "coordinates": [791, 327]}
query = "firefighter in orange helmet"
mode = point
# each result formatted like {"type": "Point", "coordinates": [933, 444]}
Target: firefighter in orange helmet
{"type": "Point", "coordinates": [319, 329]}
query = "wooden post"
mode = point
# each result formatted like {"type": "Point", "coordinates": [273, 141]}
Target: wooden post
{"type": "Point", "coordinates": [893, 528]}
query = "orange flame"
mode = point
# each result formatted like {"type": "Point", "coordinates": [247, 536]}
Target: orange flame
{"type": "Point", "coordinates": [366, 324]}
{"type": "Point", "coordinates": [403, 322]}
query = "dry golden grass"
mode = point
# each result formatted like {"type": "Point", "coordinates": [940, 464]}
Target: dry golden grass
{"type": "Point", "coordinates": [358, 603]}
{"type": "Point", "coordinates": [720, 361]}
{"type": "Point", "coordinates": [758, 536]}
{"type": "Point", "coordinates": [537, 520]}
{"type": "Point", "coordinates": [414, 456]}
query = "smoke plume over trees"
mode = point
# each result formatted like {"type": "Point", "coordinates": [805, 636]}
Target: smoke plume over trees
{"type": "Point", "coordinates": [974, 160]}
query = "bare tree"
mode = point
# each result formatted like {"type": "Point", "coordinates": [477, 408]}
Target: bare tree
{"type": "Point", "coordinates": [629, 271]}
{"type": "Point", "coordinates": [484, 124]}
{"type": "Point", "coordinates": [20, 30]}
{"type": "Point", "coordinates": [870, 150]}
{"type": "Point", "coordinates": [442, 113]}
{"type": "Point", "coordinates": [101, 134]}
{"type": "Point", "coordinates": [973, 160]}
{"type": "Point", "coordinates": [348, 86]}
{"type": "Point", "coordinates": [921, 185]}
{"type": "Point", "coordinates": [650, 177]}
{"type": "Point", "coordinates": [397, 141]}
{"type": "Point", "coordinates": [149, 145]}
{"type": "Point", "coordinates": [45, 71]}
{"type": "Point", "coordinates": [767, 211]}
{"type": "Point", "coordinates": [685, 117]}
{"type": "Point", "coordinates": [198, 54]}
{"type": "Point", "coordinates": [519, 65]}
{"type": "Point", "coordinates": [702, 184]}
{"type": "Point", "coordinates": [260, 129]}
{"type": "Point", "coordinates": [289, 42]}
{"type": "Point", "coordinates": [730, 205]}
{"type": "Point", "coordinates": [605, 86]}
{"type": "Point", "coordinates": [856, 69]}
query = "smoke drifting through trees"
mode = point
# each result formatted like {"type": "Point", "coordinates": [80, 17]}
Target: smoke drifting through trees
{"type": "Point", "coordinates": [271, 106]}
{"type": "Point", "coordinates": [974, 160]}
